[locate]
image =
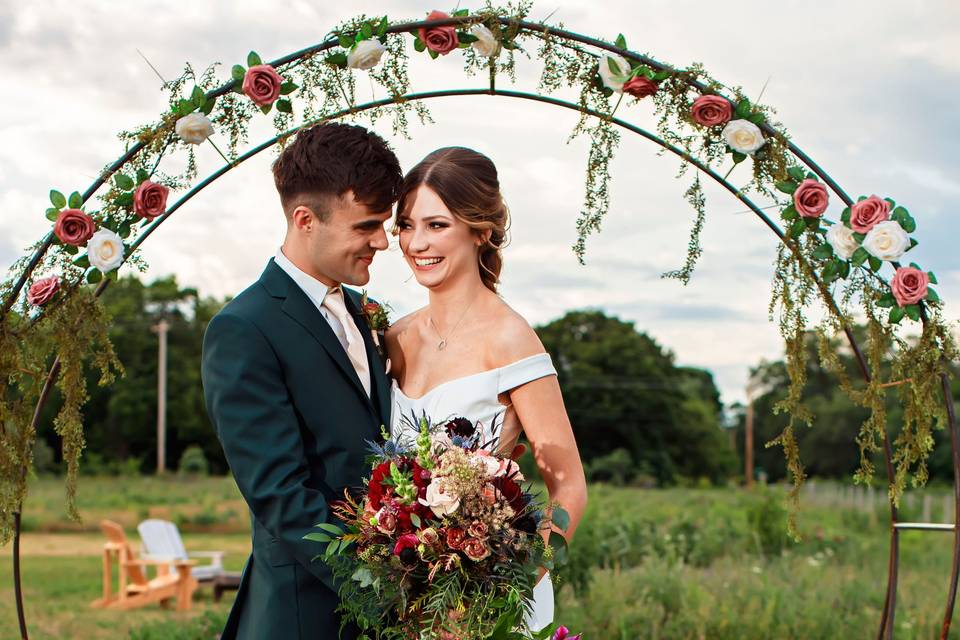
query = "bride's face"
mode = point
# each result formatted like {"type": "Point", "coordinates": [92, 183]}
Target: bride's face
{"type": "Point", "coordinates": [435, 244]}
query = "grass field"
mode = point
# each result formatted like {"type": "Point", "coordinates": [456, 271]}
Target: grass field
{"type": "Point", "coordinates": [655, 564]}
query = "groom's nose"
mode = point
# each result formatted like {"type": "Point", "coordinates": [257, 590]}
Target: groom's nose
{"type": "Point", "coordinates": [379, 240]}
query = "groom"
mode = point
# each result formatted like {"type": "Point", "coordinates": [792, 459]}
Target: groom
{"type": "Point", "coordinates": [293, 383]}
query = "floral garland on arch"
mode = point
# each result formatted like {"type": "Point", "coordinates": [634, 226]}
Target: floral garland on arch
{"type": "Point", "coordinates": [704, 120]}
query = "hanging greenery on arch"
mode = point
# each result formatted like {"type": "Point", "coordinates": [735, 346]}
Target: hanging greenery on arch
{"type": "Point", "coordinates": [844, 253]}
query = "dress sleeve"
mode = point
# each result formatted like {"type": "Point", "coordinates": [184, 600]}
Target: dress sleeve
{"type": "Point", "coordinates": [524, 371]}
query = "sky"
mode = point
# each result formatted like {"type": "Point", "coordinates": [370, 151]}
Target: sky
{"type": "Point", "coordinates": [867, 89]}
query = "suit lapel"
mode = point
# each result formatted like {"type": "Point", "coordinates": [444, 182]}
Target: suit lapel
{"type": "Point", "coordinates": [298, 306]}
{"type": "Point", "coordinates": [378, 376]}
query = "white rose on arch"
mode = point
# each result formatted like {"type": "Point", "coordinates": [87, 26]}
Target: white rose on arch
{"type": "Point", "coordinates": [194, 128]}
{"type": "Point", "coordinates": [887, 240]}
{"type": "Point", "coordinates": [365, 54]}
{"type": "Point", "coordinates": [610, 79]}
{"type": "Point", "coordinates": [841, 239]}
{"type": "Point", "coordinates": [743, 136]}
{"type": "Point", "coordinates": [486, 44]}
{"type": "Point", "coordinates": [105, 250]}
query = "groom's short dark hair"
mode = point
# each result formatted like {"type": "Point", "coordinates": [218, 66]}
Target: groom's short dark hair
{"type": "Point", "coordinates": [329, 159]}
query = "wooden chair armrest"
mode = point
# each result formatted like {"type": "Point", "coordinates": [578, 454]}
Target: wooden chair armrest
{"type": "Point", "coordinates": [160, 561]}
{"type": "Point", "coordinates": [206, 554]}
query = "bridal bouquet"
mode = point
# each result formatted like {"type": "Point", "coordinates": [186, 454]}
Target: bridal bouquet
{"type": "Point", "coordinates": [445, 542]}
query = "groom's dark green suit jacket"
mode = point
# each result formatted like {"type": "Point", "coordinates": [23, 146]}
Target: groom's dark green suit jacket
{"type": "Point", "coordinates": [293, 419]}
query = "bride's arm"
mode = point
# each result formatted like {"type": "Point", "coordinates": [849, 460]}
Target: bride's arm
{"type": "Point", "coordinates": [539, 407]}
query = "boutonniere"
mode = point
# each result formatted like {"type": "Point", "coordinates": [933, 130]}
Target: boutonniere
{"type": "Point", "coordinates": [378, 319]}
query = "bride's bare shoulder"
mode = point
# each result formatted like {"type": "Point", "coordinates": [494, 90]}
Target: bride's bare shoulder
{"type": "Point", "coordinates": [397, 337]}
{"type": "Point", "coordinates": [514, 338]}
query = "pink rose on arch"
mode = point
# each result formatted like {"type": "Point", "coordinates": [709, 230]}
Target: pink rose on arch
{"type": "Point", "coordinates": [440, 40]}
{"type": "Point", "coordinates": [262, 83]}
{"type": "Point", "coordinates": [909, 285]}
{"type": "Point", "coordinates": [640, 87]}
{"type": "Point", "coordinates": [711, 111]}
{"type": "Point", "coordinates": [150, 199]}
{"type": "Point", "coordinates": [868, 212]}
{"type": "Point", "coordinates": [74, 227]}
{"type": "Point", "coordinates": [810, 199]}
{"type": "Point", "coordinates": [43, 290]}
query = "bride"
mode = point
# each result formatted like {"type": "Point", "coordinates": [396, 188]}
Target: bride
{"type": "Point", "coordinates": [467, 353]}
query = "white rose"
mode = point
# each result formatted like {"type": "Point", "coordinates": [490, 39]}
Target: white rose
{"type": "Point", "coordinates": [194, 128]}
{"type": "Point", "coordinates": [841, 239]}
{"type": "Point", "coordinates": [490, 465]}
{"type": "Point", "coordinates": [743, 136]}
{"type": "Point", "coordinates": [486, 44]}
{"type": "Point", "coordinates": [887, 240]}
{"type": "Point", "coordinates": [365, 54]}
{"type": "Point", "coordinates": [439, 501]}
{"type": "Point", "coordinates": [610, 79]}
{"type": "Point", "coordinates": [105, 250]}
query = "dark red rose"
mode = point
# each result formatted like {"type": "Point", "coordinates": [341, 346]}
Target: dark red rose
{"type": "Point", "coordinates": [375, 489]}
{"type": "Point", "coordinates": [511, 492]}
{"type": "Point", "coordinates": [460, 427]}
{"type": "Point", "coordinates": [640, 87]}
{"type": "Point", "coordinates": [150, 199]}
{"type": "Point", "coordinates": [441, 40]}
{"type": "Point", "coordinates": [74, 227]}
{"type": "Point", "coordinates": [455, 538]}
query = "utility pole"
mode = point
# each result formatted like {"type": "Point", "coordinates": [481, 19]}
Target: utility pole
{"type": "Point", "coordinates": [161, 329]}
{"type": "Point", "coordinates": [753, 385]}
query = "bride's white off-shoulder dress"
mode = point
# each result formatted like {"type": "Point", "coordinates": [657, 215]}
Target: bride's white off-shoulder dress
{"type": "Point", "coordinates": [475, 397]}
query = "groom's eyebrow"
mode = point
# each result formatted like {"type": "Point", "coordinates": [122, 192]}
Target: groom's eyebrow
{"type": "Point", "coordinates": [369, 224]}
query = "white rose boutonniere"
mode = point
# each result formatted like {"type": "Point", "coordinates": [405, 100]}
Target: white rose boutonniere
{"type": "Point", "coordinates": [365, 54]}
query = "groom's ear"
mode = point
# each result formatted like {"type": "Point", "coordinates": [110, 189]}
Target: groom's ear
{"type": "Point", "coordinates": [303, 218]}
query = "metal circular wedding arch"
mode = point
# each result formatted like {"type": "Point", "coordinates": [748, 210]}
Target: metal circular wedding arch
{"type": "Point", "coordinates": [811, 262]}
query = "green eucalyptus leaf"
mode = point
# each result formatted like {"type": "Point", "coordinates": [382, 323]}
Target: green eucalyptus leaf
{"type": "Point", "coordinates": [123, 182]}
{"type": "Point", "coordinates": [208, 105]}
{"type": "Point", "coordinates": [284, 106]}
{"type": "Point", "coordinates": [786, 186]}
{"type": "Point", "coordinates": [859, 256]}
{"type": "Point", "coordinates": [896, 315]}
{"type": "Point", "coordinates": [57, 199]}
{"type": "Point", "coordinates": [560, 518]}
{"type": "Point", "coordinates": [253, 59]}
{"type": "Point", "coordinates": [823, 251]}
{"type": "Point", "coordinates": [559, 544]}
{"type": "Point", "coordinates": [75, 201]}
{"type": "Point", "coordinates": [796, 173]}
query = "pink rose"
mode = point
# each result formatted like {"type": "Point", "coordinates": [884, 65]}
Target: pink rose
{"type": "Point", "coordinates": [386, 521]}
{"type": "Point", "coordinates": [262, 84]}
{"type": "Point", "coordinates": [810, 199]}
{"type": "Point", "coordinates": [42, 291]}
{"type": "Point", "coordinates": [150, 200]}
{"type": "Point", "coordinates": [74, 227]}
{"type": "Point", "coordinates": [476, 549]}
{"type": "Point", "coordinates": [477, 529]}
{"type": "Point", "coordinates": [711, 111]}
{"type": "Point", "coordinates": [909, 285]}
{"type": "Point", "coordinates": [866, 213]}
{"type": "Point", "coordinates": [441, 40]}
{"type": "Point", "coordinates": [563, 633]}
{"type": "Point", "coordinates": [640, 87]}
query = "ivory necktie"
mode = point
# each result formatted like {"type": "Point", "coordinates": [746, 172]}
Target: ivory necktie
{"type": "Point", "coordinates": [355, 348]}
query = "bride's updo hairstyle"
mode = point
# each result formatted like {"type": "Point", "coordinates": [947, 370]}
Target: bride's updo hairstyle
{"type": "Point", "coordinates": [466, 181]}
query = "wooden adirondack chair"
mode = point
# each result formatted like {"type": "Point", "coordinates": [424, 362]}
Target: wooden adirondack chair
{"type": "Point", "coordinates": [172, 580]}
{"type": "Point", "coordinates": [161, 540]}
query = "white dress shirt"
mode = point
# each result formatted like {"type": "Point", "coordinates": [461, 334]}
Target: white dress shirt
{"type": "Point", "coordinates": [315, 290]}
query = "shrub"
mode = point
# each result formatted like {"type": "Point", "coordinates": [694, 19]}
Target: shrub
{"type": "Point", "coordinates": [193, 462]}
